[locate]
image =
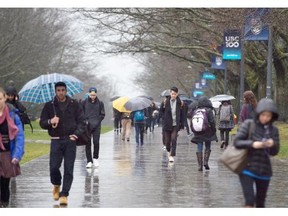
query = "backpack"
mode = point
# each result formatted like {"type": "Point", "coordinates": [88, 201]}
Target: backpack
{"type": "Point", "coordinates": [225, 113]}
{"type": "Point", "coordinates": [139, 116]}
{"type": "Point", "coordinates": [25, 119]}
{"type": "Point", "coordinates": [199, 121]}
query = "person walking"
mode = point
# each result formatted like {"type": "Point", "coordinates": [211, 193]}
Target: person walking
{"type": "Point", "coordinates": [264, 142]}
{"type": "Point", "coordinates": [226, 122]}
{"type": "Point", "coordinates": [139, 121]}
{"type": "Point", "coordinates": [117, 121]}
{"type": "Point", "coordinates": [173, 116]}
{"type": "Point", "coordinates": [248, 107]}
{"type": "Point", "coordinates": [126, 122]}
{"type": "Point", "coordinates": [206, 136]}
{"type": "Point", "coordinates": [64, 119]}
{"type": "Point", "coordinates": [13, 99]}
{"type": "Point", "coordinates": [94, 113]}
{"type": "Point", "coordinates": [11, 147]}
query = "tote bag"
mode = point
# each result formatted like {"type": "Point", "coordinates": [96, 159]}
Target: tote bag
{"type": "Point", "coordinates": [236, 159]}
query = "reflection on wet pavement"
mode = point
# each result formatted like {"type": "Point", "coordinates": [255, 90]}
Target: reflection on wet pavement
{"type": "Point", "coordinates": [130, 176]}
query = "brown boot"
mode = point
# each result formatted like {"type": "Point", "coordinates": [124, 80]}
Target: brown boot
{"type": "Point", "coordinates": [200, 160]}
{"type": "Point", "coordinates": [206, 159]}
{"type": "Point", "coordinates": [56, 190]}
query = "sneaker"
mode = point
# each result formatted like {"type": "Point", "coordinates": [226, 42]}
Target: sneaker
{"type": "Point", "coordinates": [89, 165]}
{"type": "Point", "coordinates": [222, 144]}
{"type": "Point", "coordinates": [63, 200]}
{"type": "Point", "coordinates": [56, 191]}
{"type": "Point", "coordinates": [128, 139]}
{"type": "Point", "coordinates": [123, 139]}
{"type": "Point", "coordinates": [95, 162]}
{"type": "Point", "coordinates": [164, 148]}
{"type": "Point", "coordinates": [171, 158]}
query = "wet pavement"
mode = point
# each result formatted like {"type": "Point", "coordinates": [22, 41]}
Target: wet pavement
{"type": "Point", "coordinates": [141, 177]}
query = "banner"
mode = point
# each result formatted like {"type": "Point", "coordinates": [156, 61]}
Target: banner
{"type": "Point", "coordinates": [218, 63]}
{"type": "Point", "coordinates": [208, 75]}
{"type": "Point", "coordinates": [232, 45]}
{"type": "Point", "coordinates": [256, 27]}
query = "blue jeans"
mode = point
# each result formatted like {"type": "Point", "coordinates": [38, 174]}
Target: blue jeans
{"type": "Point", "coordinates": [139, 131]}
{"type": "Point", "coordinates": [200, 146]}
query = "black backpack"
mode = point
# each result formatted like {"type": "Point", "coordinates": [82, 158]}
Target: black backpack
{"type": "Point", "coordinates": [25, 119]}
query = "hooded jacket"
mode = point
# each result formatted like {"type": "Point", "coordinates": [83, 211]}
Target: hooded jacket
{"type": "Point", "coordinates": [259, 159]}
{"type": "Point", "coordinates": [210, 133]}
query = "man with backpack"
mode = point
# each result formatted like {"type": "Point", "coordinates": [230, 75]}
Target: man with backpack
{"type": "Point", "coordinates": [94, 113]}
{"type": "Point", "coordinates": [173, 116]}
{"type": "Point", "coordinates": [203, 127]}
{"type": "Point", "coordinates": [139, 124]}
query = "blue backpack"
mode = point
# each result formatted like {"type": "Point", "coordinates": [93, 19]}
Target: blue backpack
{"type": "Point", "coordinates": [139, 116]}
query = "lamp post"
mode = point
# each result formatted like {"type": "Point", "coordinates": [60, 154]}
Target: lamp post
{"type": "Point", "coordinates": [269, 64]}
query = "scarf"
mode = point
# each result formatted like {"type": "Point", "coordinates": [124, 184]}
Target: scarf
{"type": "Point", "coordinates": [12, 128]}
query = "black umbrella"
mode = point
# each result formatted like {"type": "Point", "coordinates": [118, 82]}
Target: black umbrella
{"type": "Point", "coordinates": [114, 97]}
{"type": "Point", "coordinates": [148, 97]}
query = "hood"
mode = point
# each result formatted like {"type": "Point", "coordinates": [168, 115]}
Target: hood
{"type": "Point", "coordinates": [204, 101]}
{"type": "Point", "coordinates": [267, 104]}
{"type": "Point", "coordinates": [11, 90]}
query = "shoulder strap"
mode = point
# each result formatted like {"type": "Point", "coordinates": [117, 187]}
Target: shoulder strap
{"type": "Point", "coordinates": [251, 129]}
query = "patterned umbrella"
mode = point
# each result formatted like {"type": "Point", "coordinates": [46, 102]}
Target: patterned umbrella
{"type": "Point", "coordinates": [42, 89]}
{"type": "Point", "coordinates": [137, 103]}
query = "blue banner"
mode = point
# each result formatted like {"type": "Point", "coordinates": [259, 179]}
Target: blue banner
{"type": "Point", "coordinates": [208, 75]}
{"type": "Point", "coordinates": [218, 63]}
{"type": "Point", "coordinates": [232, 45]}
{"type": "Point", "coordinates": [256, 27]}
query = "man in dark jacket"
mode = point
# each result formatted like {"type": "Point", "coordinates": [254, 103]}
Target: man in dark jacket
{"type": "Point", "coordinates": [173, 120]}
{"type": "Point", "coordinates": [94, 112]}
{"type": "Point", "coordinates": [65, 122]}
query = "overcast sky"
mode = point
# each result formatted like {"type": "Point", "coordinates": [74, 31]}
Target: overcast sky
{"type": "Point", "coordinates": [121, 70]}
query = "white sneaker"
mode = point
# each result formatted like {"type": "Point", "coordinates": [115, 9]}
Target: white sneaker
{"type": "Point", "coordinates": [89, 165]}
{"type": "Point", "coordinates": [164, 148]}
{"type": "Point", "coordinates": [95, 162]}
{"type": "Point", "coordinates": [171, 159]}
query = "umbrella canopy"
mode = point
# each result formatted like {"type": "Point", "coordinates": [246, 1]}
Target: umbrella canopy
{"type": "Point", "coordinates": [148, 97]}
{"type": "Point", "coordinates": [137, 103]}
{"type": "Point", "coordinates": [186, 100]}
{"type": "Point", "coordinates": [42, 89]}
{"type": "Point", "coordinates": [119, 103]}
{"type": "Point", "coordinates": [114, 97]}
{"type": "Point", "coordinates": [222, 97]}
{"type": "Point", "coordinates": [216, 104]}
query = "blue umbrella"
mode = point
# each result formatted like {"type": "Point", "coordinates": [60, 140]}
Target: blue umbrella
{"type": "Point", "coordinates": [42, 89]}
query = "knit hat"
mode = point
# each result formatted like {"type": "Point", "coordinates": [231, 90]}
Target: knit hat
{"type": "Point", "coordinates": [93, 89]}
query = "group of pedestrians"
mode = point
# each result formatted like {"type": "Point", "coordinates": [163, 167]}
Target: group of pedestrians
{"type": "Point", "coordinates": [66, 119]}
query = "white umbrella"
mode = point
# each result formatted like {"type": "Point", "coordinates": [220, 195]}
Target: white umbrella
{"type": "Point", "coordinates": [216, 104]}
{"type": "Point", "coordinates": [222, 97]}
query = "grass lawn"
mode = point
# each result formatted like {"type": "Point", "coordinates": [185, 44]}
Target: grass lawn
{"type": "Point", "coordinates": [34, 150]}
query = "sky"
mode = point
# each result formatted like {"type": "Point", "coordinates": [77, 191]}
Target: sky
{"type": "Point", "coordinates": [121, 70]}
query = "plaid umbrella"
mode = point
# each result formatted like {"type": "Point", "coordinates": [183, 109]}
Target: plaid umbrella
{"type": "Point", "coordinates": [42, 89]}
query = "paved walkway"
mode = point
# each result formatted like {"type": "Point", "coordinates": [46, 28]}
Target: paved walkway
{"type": "Point", "coordinates": [130, 177]}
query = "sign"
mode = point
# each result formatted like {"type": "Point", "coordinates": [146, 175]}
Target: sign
{"type": "Point", "coordinates": [208, 75]}
{"type": "Point", "coordinates": [197, 93]}
{"type": "Point", "coordinates": [218, 63]}
{"type": "Point", "coordinates": [255, 27]}
{"type": "Point", "coordinates": [232, 45]}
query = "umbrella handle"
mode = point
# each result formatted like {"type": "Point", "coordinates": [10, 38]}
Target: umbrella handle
{"type": "Point", "coordinates": [54, 125]}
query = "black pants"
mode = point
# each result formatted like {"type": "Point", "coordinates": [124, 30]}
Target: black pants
{"type": "Point", "coordinates": [252, 199]}
{"type": "Point", "coordinates": [59, 150]}
{"type": "Point", "coordinates": [224, 136]}
{"type": "Point", "coordinates": [5, 190]}
{"type": "Point", "coordinates": [171, 140]}
{"type": "Point", "coordinates": [95, 134]}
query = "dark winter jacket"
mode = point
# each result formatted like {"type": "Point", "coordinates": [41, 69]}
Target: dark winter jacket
{"type": "Point", "coordinates": [94, 112]}
{"type": "Point", "coordinates": [72, 120]}
{"type": "Point", "coordinates": [259, 159]}
{"type": "Point", "coordinates": [166, 114]}
{"type": "Point", "coordinates": [210, 133]}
